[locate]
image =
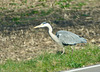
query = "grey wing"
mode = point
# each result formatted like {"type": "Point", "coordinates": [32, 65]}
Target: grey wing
{"type": "Point", "coordinates": [67, 37]}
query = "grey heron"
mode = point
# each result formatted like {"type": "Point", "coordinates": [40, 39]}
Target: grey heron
{"type": "Point", "coordinates": [63, 37]}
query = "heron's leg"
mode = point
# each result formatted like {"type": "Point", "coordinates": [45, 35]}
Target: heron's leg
{"type": "Point", "coordinates": [61, 46]}
{"type": "Point", "coordinates": [63, 51]}
{"type": "Point", "coordinates": [72, 49]}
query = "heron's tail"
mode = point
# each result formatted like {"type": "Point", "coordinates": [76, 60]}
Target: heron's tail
{"type": "Point", "coordinates": [83, 40]}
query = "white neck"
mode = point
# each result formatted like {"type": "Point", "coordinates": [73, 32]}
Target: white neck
{"type": "Point", "coordinates": [50, 28]}
{"type": "Point", "coordinates": [54, 37]}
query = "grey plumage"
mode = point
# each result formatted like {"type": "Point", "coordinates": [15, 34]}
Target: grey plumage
{"type": "Point", "coordinates": [63, 37]}
{"type": "Point", "coordinates": [69, 38]}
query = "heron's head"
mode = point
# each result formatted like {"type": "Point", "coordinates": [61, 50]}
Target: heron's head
{"type": "Point", "coordinates": [44, 24]}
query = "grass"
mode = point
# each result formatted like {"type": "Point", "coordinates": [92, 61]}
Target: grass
{"type": "Point", "coordinates": [47, 62]}
{"type": "Point", "coordinates": [50, 62]}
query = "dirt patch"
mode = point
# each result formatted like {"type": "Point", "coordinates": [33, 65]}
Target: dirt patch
{"type": "Point", "coordinates": [23, 42]}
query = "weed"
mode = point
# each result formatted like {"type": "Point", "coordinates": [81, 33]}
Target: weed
{"type": "Point", "coordinates": [48, 62]}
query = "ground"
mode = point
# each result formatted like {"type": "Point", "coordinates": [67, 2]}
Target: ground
{"type": "Point", "coordinates": [20, 41]}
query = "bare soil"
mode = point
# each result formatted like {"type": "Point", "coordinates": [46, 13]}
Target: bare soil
{"type": "Point", "coordinates": [23, 42]}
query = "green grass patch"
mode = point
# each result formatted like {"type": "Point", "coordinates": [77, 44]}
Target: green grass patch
{"type": "Point", "coordinates": [50, 62]}
{"type": "Point", "coordinates": [13, 4]}
{"type": "Point", "coordinates": [47, 12]}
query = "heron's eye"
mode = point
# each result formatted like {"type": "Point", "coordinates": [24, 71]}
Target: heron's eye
{"type": "Point", "coordinates": [44, 23]}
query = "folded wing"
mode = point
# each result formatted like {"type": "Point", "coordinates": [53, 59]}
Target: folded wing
{"type": "Point", "coordinates": [70, 38]}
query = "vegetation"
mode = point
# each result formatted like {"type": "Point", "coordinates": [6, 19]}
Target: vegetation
{"type": "Point", "coordinates": [17, 13]}
{"type": "Point", "coordinates": [49, 62]}
{"type": "Point", "coordinates": [19, 40]}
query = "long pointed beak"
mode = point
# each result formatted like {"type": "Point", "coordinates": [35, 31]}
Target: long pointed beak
{"type": "Point", "coordinates": [37, 26]}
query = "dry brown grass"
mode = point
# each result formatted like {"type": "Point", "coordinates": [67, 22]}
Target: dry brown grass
{"type": "Point", "coordinates": [18, 39]}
